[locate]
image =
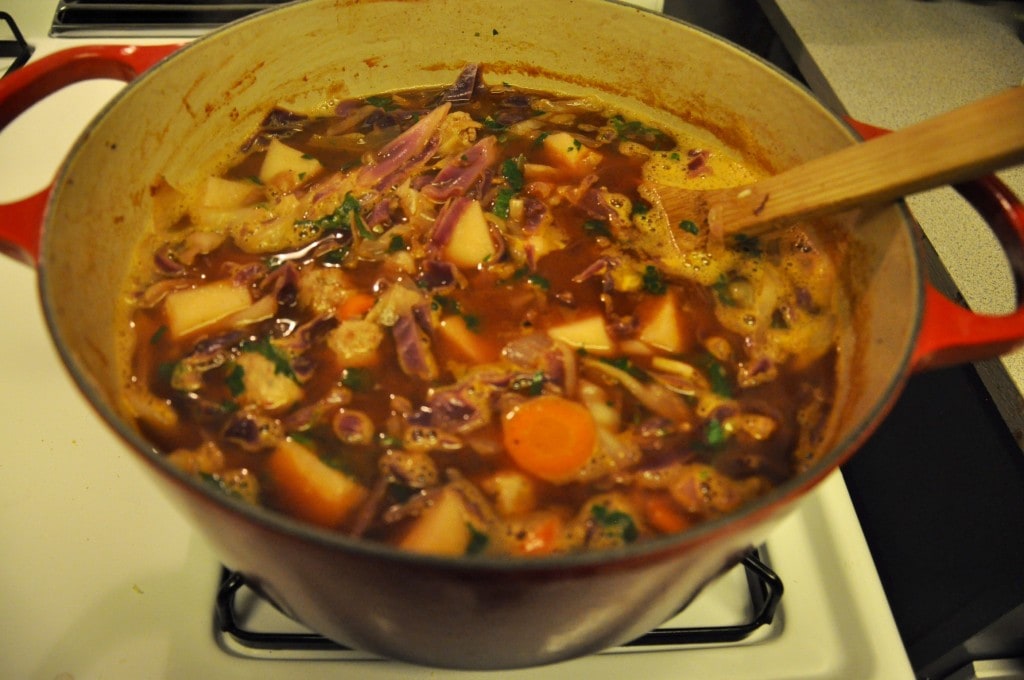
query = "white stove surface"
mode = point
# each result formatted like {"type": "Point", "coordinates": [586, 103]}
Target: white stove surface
{"type": "Point", "coordinates": [101, 578]}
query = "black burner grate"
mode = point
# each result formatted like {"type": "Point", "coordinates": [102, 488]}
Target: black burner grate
{"type": "Point", "coordinates": [764, 585]}
{"type": "Point", "coordinates": [14, 47]}
{"type": "Point", "coordinates": [145, 17]}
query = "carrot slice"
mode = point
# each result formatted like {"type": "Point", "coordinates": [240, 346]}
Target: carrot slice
{"type": "Point", "coordinates": [550, 437]}
{"type": "Point", "coordinates": [663, 514]}
{"type": "Point", "coordinates": [355, 306]}
{"type": "Point", "coordinates": [310, 489]}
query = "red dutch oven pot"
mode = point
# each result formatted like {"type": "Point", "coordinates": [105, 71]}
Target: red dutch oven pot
{"type": "Point", "coordinates": [187, 107]}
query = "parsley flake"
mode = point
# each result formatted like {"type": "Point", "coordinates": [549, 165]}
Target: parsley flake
{"type": "Point", "coordinates": [265, 348]}
{"type": "Point", "coordinates": [597, 228]}
{"type": "Point", "coordinates": [502, 201]}
{"type": "Point", "coordinates": [715, 434]}
{"type": "Point", "coordinates": [615, 522]}
{"type": "Point", "coordinates": [690, 227]}
{"type": "Point", "coordinates": [654, 282]}
{"type": "Point", "coordinates": [235, 380]}
{"type": "Point", "coordinates": [357, 379]}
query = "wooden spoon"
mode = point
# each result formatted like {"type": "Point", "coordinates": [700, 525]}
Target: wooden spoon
{"type": "Point", "coordinates": [962, 144]}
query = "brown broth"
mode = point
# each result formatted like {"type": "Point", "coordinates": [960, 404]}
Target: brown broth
{"type": "Point", "coordinates": [746, 385]}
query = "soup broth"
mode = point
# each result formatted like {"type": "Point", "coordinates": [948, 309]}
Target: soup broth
{"type": "Point", "coordinates": [457, 321]}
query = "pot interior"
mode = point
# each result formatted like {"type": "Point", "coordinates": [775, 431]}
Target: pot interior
{"type": "Point", "coordinates": [179, 121]}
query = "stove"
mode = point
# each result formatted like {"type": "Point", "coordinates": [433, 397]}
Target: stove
{"type": "Point", "coordinates": [104, 18]}
{"type": "Point", "coordinates": [738, 608]}
{"type": "Point", "coordinates": [101, 577]}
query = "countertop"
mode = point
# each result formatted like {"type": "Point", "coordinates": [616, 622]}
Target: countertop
{"type": "Point", "coordinates": [892, 63]}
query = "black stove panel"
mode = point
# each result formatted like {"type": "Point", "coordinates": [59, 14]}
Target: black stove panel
{"type": "Point", "coordinates": [149, 17]}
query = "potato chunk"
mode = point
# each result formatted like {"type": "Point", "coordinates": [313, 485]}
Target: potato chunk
{"type": "Point", "coordinates": [442, 529]}
{"type": "Point", "coordinates": [466, 344]}
{"type": "Point", "coordinates": [568, 153]}
{"type": "Point", "coordinates": [309, 488]}
{"type": "Point", "coordinates": [661, 324]}
{"type": "Point", "coordinates": [194, 309]}
{"type": "Point", "coordinates": [470, 242]}
{"type": "Point", "coordinates": [286, 168]}
{"type": "Point", "coordinates": [514, 492]}
{"type": "Point", "coordinates": [588, 333]}
{"type": "Point", "coordinates": [219, 192]}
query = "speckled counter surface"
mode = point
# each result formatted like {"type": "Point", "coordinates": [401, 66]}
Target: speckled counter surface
{"type": "Point", "coordinates": [894, 62]}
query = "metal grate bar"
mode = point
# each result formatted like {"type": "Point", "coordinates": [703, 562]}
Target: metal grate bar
{"type": "Point", "coordinates": [149, 17]}
{"type": "Point", "coordinates": [765, 592]}
{"type": "Point", "coordinates": [16, 48]}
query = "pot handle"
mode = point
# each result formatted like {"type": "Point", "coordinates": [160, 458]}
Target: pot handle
{"type": "Point", "coordinates": [22, 221]}
{"type": "Point", "coordinates": [951, 334]}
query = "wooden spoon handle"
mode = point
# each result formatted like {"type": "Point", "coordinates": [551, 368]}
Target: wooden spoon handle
{"type": "Point", "coordinates": [962, 144]}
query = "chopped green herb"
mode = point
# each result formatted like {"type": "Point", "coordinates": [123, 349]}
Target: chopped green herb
{"type": "Point", "coordinates": [493, 125]}
{"type": "Point", "coordinates": [382, 102]}
{"type": "Point", "coordinates": [390, 442]}
{"type": "Point", "coordinates": [346, 216]}
{"type": "Point", "coordinates": [533, 278]}
{"type": "Point", "coordinates": [539, 281]}
{"type": "Point", "coordinates": [721, 288]}
{"type": "Point", "coordinates": [689, 226]}
{"type": "Point", "coordinates": [351, 210]}
{"type": "Point", "coordinates": [336, 256]}
{"type": "Point", "coordinates": [654, 283]}
{"type": "Point", "coordinates": [339, 462]}
{"type": "Point", "coordinates": [627, 366]}
{"type": "Point", "coordinates": [502, 201]}
{"type": "Point", "coordinates": [718, 377]}
{"type": "Point", "coordinates": [158, 335]}
{"type": "Point", "coordinates": [478, 540]}
{"type": "Point", "coordinates": [448, 305]}
{"type": "Point", "coordinates": [533, 385]}
{"type": "Point", "coordinates": [304, 439]}
{"type": "Point", "coordinates": [597, 228]}
{"type": "Point", "coordinates": [576, 145]}
{"type": "Point", "coordinates": [512, 171]}
{"type": "Point", "coordinates": [779, 320]}
{"type": "Point", "coordinates": [235, 380]}
{"type": "Point", "coordinates": [397, 243]}
{"type": "Point", "coordinates": [714, 434]}
{"type": "Point", "coordinates": [540, 138]}
{"type": "Point", "coordinates": [166, 370]}
{"type": "Point", "coordinates": [357, 379]}
{"type": "Point", "coordinates": [635, 130]}
{"type": "Point", "coordinates": [615, 522]}
{"type": "Point", "coordinates": [747, 245]}
{"type": "Point", "coordinates": [640, 209]}
{"type": "Point", "coordinates": [265, 348]}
